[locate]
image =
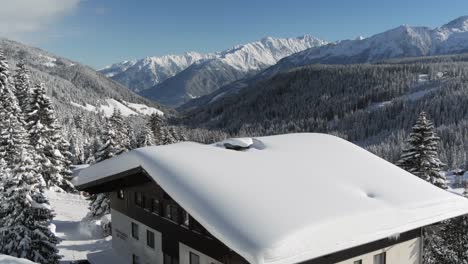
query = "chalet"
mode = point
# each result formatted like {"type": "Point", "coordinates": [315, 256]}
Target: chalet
{"type": "Point", "coordinates": [297, 198]}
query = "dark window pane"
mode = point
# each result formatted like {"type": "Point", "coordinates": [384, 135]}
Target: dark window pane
{"type": "Point", "coordinates": [150, 239]}
{"type": "Point", "coordinates": [135, 259]}
{"type": "Point", "coordinates": [358, 261]}
{"type": "Point", "coordinates": [172, 212]}
{"type": "Point", "coordinates": [138, 199]}
{"type": "Point", "coordinates": [380, 258]}
{"type": "Point", "coordinates": [167, 259]}
{"type": "Point", "coordinates": [143, 201]}
{"type": "Point", "coordinates": [135, 231]}
{"type": "Point", "coordinates": [155, 206]}
{"type": "Point", "coordinates": [194, 258]}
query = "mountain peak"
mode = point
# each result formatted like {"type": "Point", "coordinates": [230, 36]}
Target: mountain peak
{"type": "Point", "coordinates": [459, 24]}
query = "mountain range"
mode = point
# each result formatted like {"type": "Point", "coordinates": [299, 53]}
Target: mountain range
{"type": "Point", "coordinates": [176, 80]}
{"type": "Point", "coordinates": [403, 41]}
{"type": "Point", "coordinates": [173, 80]}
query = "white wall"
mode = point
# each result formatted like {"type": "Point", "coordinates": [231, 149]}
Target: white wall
{"type": "Point", "coordinates": [125, 245]}
{"type": "Point", "coordinates": [408, 252]}
{"type": "Point", "coordinates": [184, 255]}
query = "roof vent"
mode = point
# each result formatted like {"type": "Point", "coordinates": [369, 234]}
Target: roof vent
{"type": "Point", "coordinates": [237, 143]}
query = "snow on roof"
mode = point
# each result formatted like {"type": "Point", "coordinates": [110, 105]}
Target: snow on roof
{"type": "Point", "coordinates": [4, 259]}
{"type": "Point", "coordinates": [289, 198]}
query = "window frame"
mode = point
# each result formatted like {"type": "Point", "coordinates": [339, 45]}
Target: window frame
{"type": "Point", "coordinates": [150, 242]}
{"type": "Point", "coordinates": [382, 256]}
{"type": "Point", "coordinates": [195, 255]}
{"type": "Point", "coordinates": [135, 259]}
{"type": "Point", "coordinates": [171, 212]}
{"type": "Point", "coordinates": [359, 261]}
{"type": "Point", "coordinates": [155, 206]}
{"type": "Point", "coordinates": [167, 259]}
{"type": "Point", "coordinates": [139, 199]}
{"type": "Point", "coordinates": [135, 231]}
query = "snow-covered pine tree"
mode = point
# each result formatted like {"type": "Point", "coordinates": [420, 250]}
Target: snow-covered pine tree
{"type": "Point", "coordinates": [131, 137]}
{"type": "Point", "coordinates": [146, 137]}
{"type": "Point", "coordinates": [99, 205]}
{"type": "Point", "coordinates": [177, 134]}
{"type": "Point", "coordinates": [26, 215]}
{"type": "Point", "coordinates": [162, 136]}
{"type": "Point", "coordinates": [115, 142]}
{"type": "Point", "coordinates": [47, 140]}
{"type": "Point", "coordinates": [24, 212]}
{"type": "Point", "coordinates": [22, 86]}
{"type": "Point", "coordinates": [420, 157]}
{"type": "Point", "coordinates": [112, 145]}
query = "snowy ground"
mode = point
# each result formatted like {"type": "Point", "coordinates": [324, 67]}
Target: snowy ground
{"type": "Point", "coordinates": [76, 244]}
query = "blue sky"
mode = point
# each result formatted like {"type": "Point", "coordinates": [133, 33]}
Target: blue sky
{"type": "Point", "coordinates": [100, 32]}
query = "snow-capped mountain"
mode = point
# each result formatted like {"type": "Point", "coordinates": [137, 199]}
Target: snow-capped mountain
{"type": "Point", "coordinates": [205, 76]}
{"type": "Point", "coordinates": [403, 41]}
{"type": "Point", "coordinates": [142, 74]}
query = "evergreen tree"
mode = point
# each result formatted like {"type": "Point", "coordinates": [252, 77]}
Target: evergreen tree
{"type": "Point", "coordinates": [177, 134]}
{"type": "Point", "coordinates": [116, 141]}
{"type": "Point", "coordinates": [146, 137]}
{"type": "Point", "coordinates": [162, 136]}
{"type": "Point", "coordinates": [22, 86]}
{"type": "Point", "coordinates": [48, 142]}
{"type": "Point", "coordinates": [421, 156]}
{"type": "Point", "coordinates": [26, 214]}
{"type": "Point", "coordinates": [132, 140]}
{"type": "Point", "coordinates": [112, 145]}
{"type": "Point", "coordinates": [99, 205]}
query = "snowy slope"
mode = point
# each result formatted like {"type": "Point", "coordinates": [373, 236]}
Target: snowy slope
{"type": "Point", "coordinates": [142, 74]}
{"type": "Point", "coordinates": [364, 199]}
{"type": "Point", "coordinates": [108, 106]}
{"type": "Point", "coordinates": [404, 41]}
{"type": "Point", "coordinates": [67, 81]}
{"type": "Point", "coordinates": [228, 66]}
{"type": "Point", "coordinates": [77, 242]}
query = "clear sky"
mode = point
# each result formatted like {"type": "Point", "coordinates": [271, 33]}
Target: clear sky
{"type": "Point", "coordinates": [101, 32]}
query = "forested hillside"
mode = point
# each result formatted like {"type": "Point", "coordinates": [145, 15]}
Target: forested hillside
{"type": "Point", "coordinates": [373, 105]}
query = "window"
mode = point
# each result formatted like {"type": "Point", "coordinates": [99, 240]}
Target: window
{"type": "Point", "coordinates": [358, 261]}
{"type": "Point", "coordinates": [155, 206]}
{"type": "Point", "coordinates": [149, 239]}
{"type": "Point", "coordinates": [143, 202]}
{"type": "Point", "coordinates": [170, 260]}
{"type": "Point", "coordinates": [135, 231]}
{"type": "Point", "coordinates": [185, 219]}
{"type": "Point", "coordinates": [171, 212]}
{"type": "Point", "coordinates": [380, 258]}
{"type": "Point", "coordinates": [194, 258]}
{"type": "Point", "coordinates": [138, 199]}
{"type": "Point", "coordinates": [135, 259]}
{"type": "Point", "coordinates": [120, 194]}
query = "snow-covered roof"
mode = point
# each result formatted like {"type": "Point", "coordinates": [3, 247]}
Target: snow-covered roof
{"type": "Point", "coordinates": [289, 198]}
{"type": "Point", "coordinates": [4, 259]}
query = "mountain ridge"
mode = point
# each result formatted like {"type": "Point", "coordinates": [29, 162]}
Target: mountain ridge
{"type": "Point", "coordinates": [205, 76]}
